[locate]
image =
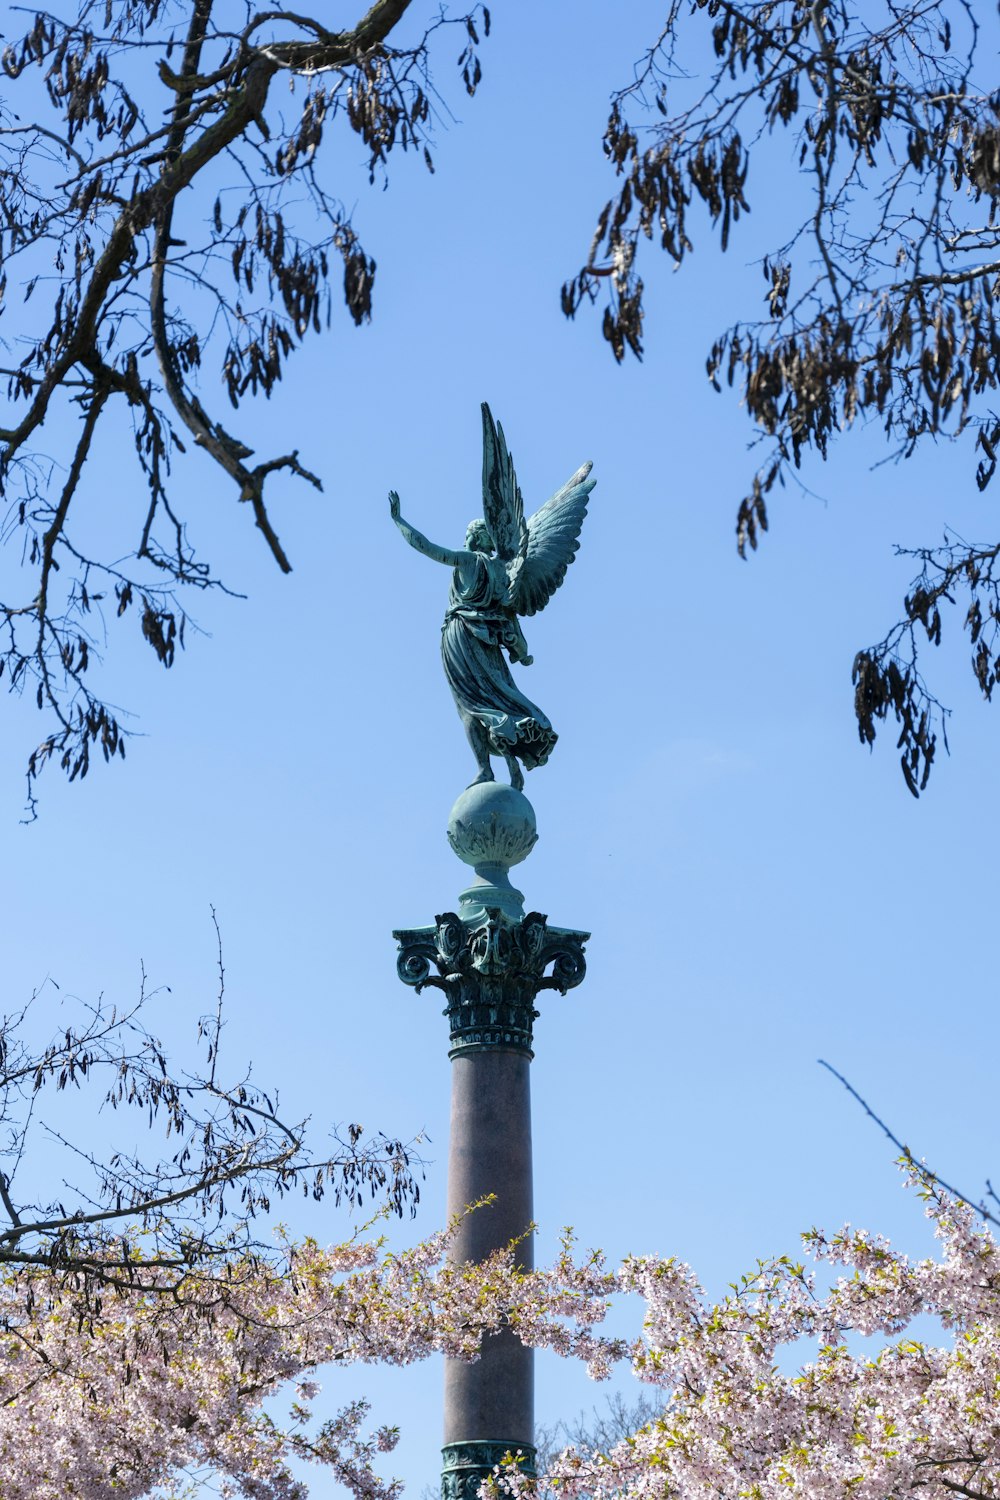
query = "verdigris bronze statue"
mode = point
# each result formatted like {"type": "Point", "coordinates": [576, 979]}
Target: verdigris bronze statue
{"type": "Point", "coordinates": [508, 567]}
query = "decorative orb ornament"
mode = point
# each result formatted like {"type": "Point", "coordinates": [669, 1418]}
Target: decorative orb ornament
{"type": "Point", "coordinates": [492, 827]}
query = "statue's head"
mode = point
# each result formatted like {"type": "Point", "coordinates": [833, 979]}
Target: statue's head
{"type": "Point", "coordinates": [478, 538]}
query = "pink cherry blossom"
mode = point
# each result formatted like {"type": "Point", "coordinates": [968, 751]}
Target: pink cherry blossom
{"type": "Point", "coordinates": [116, 1400]}
{"type": "Point", "coordinates": [110, 1401]}
{"type": "Point", "coordinates": [741, 1421]}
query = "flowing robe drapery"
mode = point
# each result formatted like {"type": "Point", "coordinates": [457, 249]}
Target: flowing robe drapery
{"type": "Point", "coordinates": [479, 626]}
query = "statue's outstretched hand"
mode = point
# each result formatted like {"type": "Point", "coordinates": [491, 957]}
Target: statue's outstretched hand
{"type": "Point", "coordinates": [394, 505]}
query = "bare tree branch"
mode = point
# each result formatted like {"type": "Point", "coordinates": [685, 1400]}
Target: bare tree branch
{"type": "Point", "coordinates": [980, 1206]}
{"type": "Point", "coordinates": [133, 262]}
{"type": "Point", "coordinates": [233, 1154]}
{"type": "Point", "coordinates": [882, 299]}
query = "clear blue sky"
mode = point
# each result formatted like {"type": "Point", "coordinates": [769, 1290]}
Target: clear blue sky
{"type": "Point", "coordinates": [761, 891]}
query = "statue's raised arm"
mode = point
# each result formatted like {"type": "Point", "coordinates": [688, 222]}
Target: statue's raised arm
{"type": "Point", "coordinates": [419, 542]}
{"type": "Point", "coordinates": [508, 567]}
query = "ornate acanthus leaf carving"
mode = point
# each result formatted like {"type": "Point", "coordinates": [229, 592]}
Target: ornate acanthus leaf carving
{"type": "Point", "coordinates": [495, 840]}
{"type": "Point", "coordinates": [464, 1466]}
{"type": "Point", "coordinates": [491, 972]}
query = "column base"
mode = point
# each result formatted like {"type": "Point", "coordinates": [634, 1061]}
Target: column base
{"type": "Point", "coordinates": [464, 1466]}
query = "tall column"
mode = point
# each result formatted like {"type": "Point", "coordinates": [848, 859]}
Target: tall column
{"type": "Point", "coordinates": [491, 1154]}
{"type": "Point", "coordinates": [490, 960]}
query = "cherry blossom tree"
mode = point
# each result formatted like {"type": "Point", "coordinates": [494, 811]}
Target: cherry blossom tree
{"type": "Point", "coordinates": [877, 1411]}
{"type": "Point", "coordinates": [145, 1318]}
{"type": "Point", "coordinates": [144, 1390]}
{"type": "Point", "coordinates": [147, 1391]}
{"type": "Point", "coordinates": [117, 1389]}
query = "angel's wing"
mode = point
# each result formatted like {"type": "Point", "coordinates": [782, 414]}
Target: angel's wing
{"type": "Point", "coordinates": [503, 508]}
{"type": "Point", "coordinates": [553, 540]}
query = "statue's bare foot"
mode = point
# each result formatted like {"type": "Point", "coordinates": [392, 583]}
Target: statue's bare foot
{"type": "Point", "coordinates": [486, 774]}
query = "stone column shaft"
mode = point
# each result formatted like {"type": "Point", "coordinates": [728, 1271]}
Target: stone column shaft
{"type": "Point", "coordinates": [492, 1400]}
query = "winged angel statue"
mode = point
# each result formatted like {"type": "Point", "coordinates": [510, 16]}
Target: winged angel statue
{"type": "Point", "coordinates": [508, 567]}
